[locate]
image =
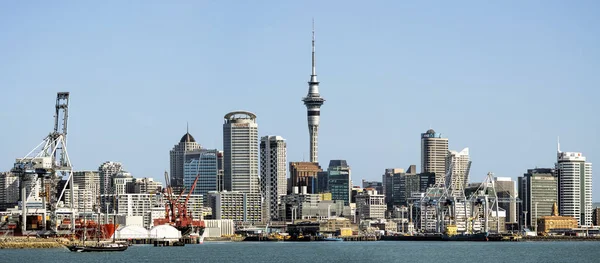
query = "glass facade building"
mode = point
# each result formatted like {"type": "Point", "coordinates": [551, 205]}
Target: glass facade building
{"type": "Point", "coordinates": [202, 162]}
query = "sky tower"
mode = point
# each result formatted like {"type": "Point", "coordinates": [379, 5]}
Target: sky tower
{"type": "Point", "coordinates": [313, 102]}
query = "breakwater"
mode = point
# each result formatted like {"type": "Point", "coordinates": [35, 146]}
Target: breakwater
{"type": "Point", "coordinates": [23, 242]}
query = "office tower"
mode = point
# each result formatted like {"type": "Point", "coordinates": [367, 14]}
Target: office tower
{"type": "Point", "coordinates": [370, 205]}
{"type": "Point", "coordinates": [460, 165]}
{"type": "Point", "coordinates": [107, 172]}
{"type": "Point", "coordinates": [9, 190]}
{"type": "Point", "coordinates": [434, 150]}
{"type": "Point", "coordinates": [221, 171]}
{"type": "Point", "coordinates": [313, 102]}
{"type": "Point", "coordinates": [187, 143]}
{"type": "Point", "coordinates": [273, 174]}
{"type": "Point", "coordinates": [305, 174]}
{"type": "Point", "coordinates": [237, 206]}
{"type": "Point", "coordinates": [399, 185]}
{"type": "Point", "coordinates": [538, 190]}
{"type": "Point", "coordinates": [506, 190]}
{"type": "Point", "coordinates": [202, 162]}
{"type": "Point", "coordinates": [339, 180]}
{"type": "Point", "coordinates": [240, 152]}
{"type": "Point", "coordinates": [574, 186]}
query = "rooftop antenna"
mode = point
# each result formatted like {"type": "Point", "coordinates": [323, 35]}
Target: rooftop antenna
{"type": "Point", "coordinates": [187, 127]}
{"type": "Point", "coordinates": [558, 144]}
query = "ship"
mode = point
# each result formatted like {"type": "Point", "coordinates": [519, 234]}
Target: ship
{"type": "Point", "coordinates": [483, 236]}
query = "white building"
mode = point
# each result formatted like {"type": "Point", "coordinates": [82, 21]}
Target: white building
{"type": "Point", "coordinates": [237, 206]}
{"type": "Point", "coordinates": [370, 205]}
{"type": "Point", "coordinates": [122, 183]}
{"type": "Point", "coordinates": [240, 147]}
{"type": "Point", "coordinates": [84, 199]}
{"type": "Point", "coordinates": [460, 164]}
{"type": "Point", "coordinates": [574, 186]}
{"type": "Point", "coordinates": [273, 173]}
{"type": "Point", "coordinates": [219, 228]}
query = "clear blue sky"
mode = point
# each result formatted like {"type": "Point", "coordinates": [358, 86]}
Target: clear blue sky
{"type": "Point", "coordinates": [503, 78]}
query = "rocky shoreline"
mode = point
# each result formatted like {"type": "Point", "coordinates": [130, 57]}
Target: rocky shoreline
{"type": "Point", "coordinates": [23, 243]}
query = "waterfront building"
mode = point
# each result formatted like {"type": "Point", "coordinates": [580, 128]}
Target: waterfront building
{"type": "Point", "coordinates": [538, 190]}
{"type": "Point", "coordinates": [187, 143]}
{"type": "Point", "coordinates": [237, 206]}
{"type": "Point", "coordinates": [458, 165]}
{"type": "Point", "coordinates": [273, 174]}
{"type": "Point", "coordinates": [240, 147]}
{"type": "Point", "coordinates": [434, 150]}
{"type": "Point", "coordinates": [205, 163]}
{"type": "Point", "coordinates": [596, 216]}
{"type": "Point", "coordinates": [146, 186]}
{"type": "Point", "coordinates": [9, 190]}
{"type": "Point", "coordinates": [291, 206]}
{"type": "Point", "coordinates": [339, 181]}
{"type": "Point", "coordinates": [370, 205]}
{"type": "Point", "coordinates": [107, 171]}
{"type": "Point", "coordinates": [506, 189]}
{"type": "Point", "coordinates": [305, 174]}
{"type": "Point", "coordinates": [313, 102]}
{"type": "Point", "coordinates": [546, 224]}
{"type": "Point", "coordinates": [574, 186]}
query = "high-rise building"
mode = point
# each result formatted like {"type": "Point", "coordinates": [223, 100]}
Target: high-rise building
{"type": "Point", "coordinates": [434, 150]}
{"type": "Point", "coordinates": [122, 183]}
{"type": "Point", "coordinates": [370, 205]}
{"type": "Point", "coordinates": [9, 190]}
{"type": "Point", "coordinates": [221, 171]}
{"type": "Point", "coordinates": [237, 206]}
{"type": "Point", "coordinates": [538, 190]}
{"type": "Point", "coordinates": [205, 163]}
{"type": "Point", "coordinates": [273, 174]}
{"type": "Point", "coordinates": [313, 102]}
{"type": "Point", "coordinates": [305, 174]}
{"type": "Point", "coordinates": [460, 165]}
{"type": "Point", "coordinates": [107, 171]}
{"type": "Point", "coordinates": [90, 182]}
{"type": "Point", "coordinates": [506, 189]}
{"type": "Point", "coordinates": [574, 186]}
{"type": "Point", "coordinates": [339, 180]}
{"type": "Point", "coordinates": [177, 155]}
{"type": "Point", "coordinates": [240, 147]}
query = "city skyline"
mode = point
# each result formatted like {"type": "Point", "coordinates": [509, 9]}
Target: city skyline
{"type": "Point", "coordinates": [503, 96]}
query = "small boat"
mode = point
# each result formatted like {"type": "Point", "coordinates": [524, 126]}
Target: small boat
{"type": "Point", "coordinates": [331, 238]}
{"type": "Point", "coordinates": [100, 246]}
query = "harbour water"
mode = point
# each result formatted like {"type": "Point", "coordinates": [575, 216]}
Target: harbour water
{"type": "Point", "coordinates": [379, 251]}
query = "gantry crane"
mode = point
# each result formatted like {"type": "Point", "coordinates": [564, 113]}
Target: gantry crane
{"type": "Point", "coordinates": [49, 163]}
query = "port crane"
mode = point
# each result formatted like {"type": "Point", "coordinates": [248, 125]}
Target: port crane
{"type": "Point", "coordinates": [176, 212]}
{"type": "Point", "coordinates": [48, 163]}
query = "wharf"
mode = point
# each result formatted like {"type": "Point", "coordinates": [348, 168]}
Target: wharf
{"type": "Point", "coordinates": [561, 238]}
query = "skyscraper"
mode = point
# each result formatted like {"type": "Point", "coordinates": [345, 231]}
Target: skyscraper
{"type": "Point", "coordinates": [506, 189]}
{"type": "Point", "coordinates": [460, 164]}
{"type": "Point", "coordinates": [240, 152]}
{"type": "Point", "coordinates": [186, 144]}
{"type": "Point", "coordinates": [339, 180]}
{"type": "Point", "coordinates": [538, 189]}
{"type": "Point", "coordinates": [574, 186]}
{"type": "Point", "coordinates": [107, 171]}
{"type": "Point", "coordinates": [313, 102]}
{"type": "Point", "coordinates": [273, 174]}
{"type": "Point", "coordinates": [203, 162]}
{"type": "Point", "coordinates": [434, 150]}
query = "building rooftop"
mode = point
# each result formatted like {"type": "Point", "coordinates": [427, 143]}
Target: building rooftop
{"type": "Point", "coordinates": [187, 137]}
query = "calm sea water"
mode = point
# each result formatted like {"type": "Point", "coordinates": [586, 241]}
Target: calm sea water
{"type": "Point", "coordinates": [380, 251]}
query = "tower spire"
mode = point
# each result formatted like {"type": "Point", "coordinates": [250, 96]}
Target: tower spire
{"type": "Point", "coordinates": [187, 127]}
{"type": "Point", "coordinates": [558, 144]}
{"type": "Point", "coordinates": [314, 69]}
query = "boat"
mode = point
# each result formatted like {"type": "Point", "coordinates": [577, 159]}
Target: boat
{"type": "Point", "coordinates": [483, 236]}
{"type": "Point", "coordinates": [333, 239]}
{"type": "Point", "coordinates": [100, 246]}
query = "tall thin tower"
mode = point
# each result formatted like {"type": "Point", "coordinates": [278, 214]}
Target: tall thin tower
{"type": "Point", "coordinates": [313, 102]}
